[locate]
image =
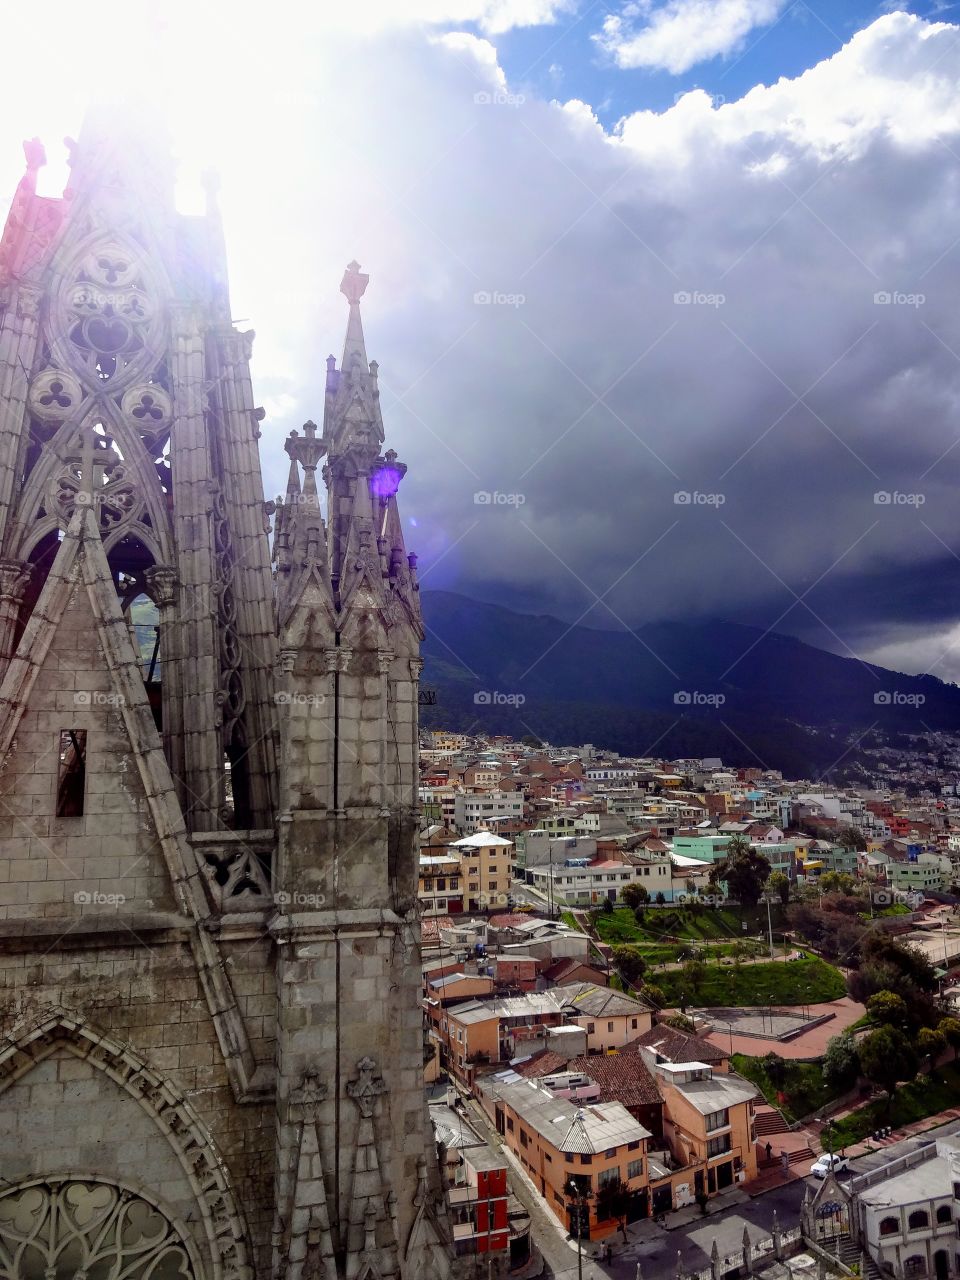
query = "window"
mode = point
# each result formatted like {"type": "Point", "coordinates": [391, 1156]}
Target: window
{"type": "Point", "coordinates": [509, 1124]}
{"type": "Point", "coordinates": [889, 1226]}
{"type": "Point", "coordinates": [943, 1213]}
{"type": "Point", "coordinates": [918, 1220]}
{"type": "Point", "coordinates": [635, 1169]}
{"type": "Point", "coordinates": [72, 778]}
{"type": "Point", "coordinates": [608, 1177]}
{"type": "Point", "coordinates": [633, 1024]}
{"type": "Point", "coordinates": [590, 1027]}
{"type": "Point", "coordinates": [718, 1146]}
{"type": "Point", "coordinates": [523, 1139]}
{"type": "Point", "coordinates": [718, 1120]}
{"type": "Point", "coordinates": [916, 1265]}
{"type": "Point", "coordinates": [609, 1026]}
{"type": "Point", "coordinates": [632, 1146]}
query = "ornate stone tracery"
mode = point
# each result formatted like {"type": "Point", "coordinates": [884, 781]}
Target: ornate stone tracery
{"type": "Point", "coordinates": [50, 1226]}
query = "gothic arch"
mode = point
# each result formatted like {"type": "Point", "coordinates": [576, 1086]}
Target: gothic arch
{"type": "Point", "coordinates": [224, 1227]}
{"type": "Point", "coordinates": [58, 1232]}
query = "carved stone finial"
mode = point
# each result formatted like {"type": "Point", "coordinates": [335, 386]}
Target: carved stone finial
{"type": "Point", "coordinates": [310, 1092]}
{"type": "Point", "coordinates": [35, 154]}
{"type": "Point", "coordinates": [306, 449]}
{"type": "Point", "coordinates": [354, 283]}
{"type": "Point", "coordinates": [367, 1087]}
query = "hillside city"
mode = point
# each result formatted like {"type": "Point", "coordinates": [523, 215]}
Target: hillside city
{"type": "Point", "coordinates": [692, 1020]}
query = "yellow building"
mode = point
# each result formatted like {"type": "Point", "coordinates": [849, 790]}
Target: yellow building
{"type": "Point", "coordinates": [488, 863]}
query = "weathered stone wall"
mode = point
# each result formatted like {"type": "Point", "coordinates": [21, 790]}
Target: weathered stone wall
{"type": "Point", "coordinates": [65, 1117]}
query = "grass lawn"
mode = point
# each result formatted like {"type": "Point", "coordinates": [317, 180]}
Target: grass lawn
{"type": "Point", "coordinates": [914, 1101]}
{"type": "Point", "coordinates": [780, 982]}
{"type": "Point", "coordinates": [803, 1090]}
{"type": "Point", "coordinates": [669, 922]}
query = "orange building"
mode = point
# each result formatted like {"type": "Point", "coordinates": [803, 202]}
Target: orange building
{"type": "Point", "coordinates": [599, 1148]}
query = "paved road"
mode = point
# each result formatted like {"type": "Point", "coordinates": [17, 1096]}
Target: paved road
{"type": "Point", "coordinates": [548, 1235]}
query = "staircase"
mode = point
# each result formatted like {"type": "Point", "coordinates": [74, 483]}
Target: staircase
{"type": "Point", "coordinates": [768, 1120]}
{"type": "Point", "coordinates": [848, 1251]}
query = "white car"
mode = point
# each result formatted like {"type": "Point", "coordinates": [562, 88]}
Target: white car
{"type": "Point", "coordinates": [829, 1164]}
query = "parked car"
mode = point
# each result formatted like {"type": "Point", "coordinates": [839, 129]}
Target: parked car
{"type": "Point", "coordinates": [829, 1164]}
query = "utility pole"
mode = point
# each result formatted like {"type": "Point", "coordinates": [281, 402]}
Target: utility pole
{"type": "Point", "coordinates": [769, 924]}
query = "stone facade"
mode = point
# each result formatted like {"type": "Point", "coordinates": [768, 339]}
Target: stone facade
{"type": "Point", "coordinates": [209, 939]}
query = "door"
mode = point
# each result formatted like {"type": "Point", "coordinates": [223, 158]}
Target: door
{"type": "Point", "coordinates": [724, 1175]}
{"type": "Point", "coordinates": [941, 1264]}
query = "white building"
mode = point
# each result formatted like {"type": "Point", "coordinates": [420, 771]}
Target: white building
{"type": "Point", "coordinates": [474, 812]}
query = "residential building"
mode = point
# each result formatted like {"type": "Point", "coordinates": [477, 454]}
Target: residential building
{"type": "Point", "coordinates": [488, 867]}
{"type": "Point", "coordinates": [580, 883]}
{"type": "Point", "coordinates": [440, 888]}
{"type": "Point", "coordinates": [709, 1122]}
{"type": "Point", "coordinates": [610, 1018]}
{"type": "Point", "coordinates": [596, 1147]}
{"type": "Point", "coordinates": [479, 811]}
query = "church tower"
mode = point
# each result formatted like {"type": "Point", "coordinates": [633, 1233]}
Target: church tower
{"type": "Point", "coordinates": [209, 940]}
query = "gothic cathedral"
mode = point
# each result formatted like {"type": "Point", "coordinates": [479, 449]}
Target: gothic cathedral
{"type": "Point", "coordinates": [211, 1047]}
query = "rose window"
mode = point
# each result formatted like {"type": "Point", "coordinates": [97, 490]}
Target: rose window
{"type": "Point", "coordinates": [108, 312]}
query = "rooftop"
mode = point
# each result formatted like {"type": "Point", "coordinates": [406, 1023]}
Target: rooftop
{"type": "Point", "coordinates": [567, 1127]}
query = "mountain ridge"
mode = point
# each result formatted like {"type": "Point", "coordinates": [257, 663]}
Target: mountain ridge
{"type": "Point", "coordinates": [668, 684]}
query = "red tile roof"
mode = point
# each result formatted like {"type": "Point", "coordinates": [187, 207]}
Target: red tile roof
{"type": "Point", "coordinates": [621, 1077]}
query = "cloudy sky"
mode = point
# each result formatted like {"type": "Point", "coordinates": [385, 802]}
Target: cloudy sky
{"type": "Point", "coordinates": [674, 283]}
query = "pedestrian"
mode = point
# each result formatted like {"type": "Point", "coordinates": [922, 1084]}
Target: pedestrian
{"type": "Point", "coordinates": [769, 1150]}
{"type": "Point", "coordinates": [608, 1252]}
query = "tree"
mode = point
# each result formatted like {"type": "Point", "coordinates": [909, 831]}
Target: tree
{"type": "Point", "coordinates": [530, 740]}
{"type": "Point", "coordinates": [634, 895]}
{"type": "Point", "coordinates": [841, 1062]}
{"type": "Point", "coordinates": [852, 838]}
{"type": "Point", "coordinates": [630, 963]}
{"type": "Point", "coordinates": [659, 899]}
{"type": "Point", "coordinates": [949, 1028]}
{"type": "Point", "coordinates": [654, 994]}
{"type": "Point", "coordinates": [616, 1200]}
{"type": "Point", "coordinates": [837, 882]}
{"type": "Point", "coordinates": [743, 869]}
{"type": "Point", "coordinates": [930, 1044]}
{"type": "Point", "coordinates": [694, 972]}
{"type": "Point", "coordinates": [776, 1069]}
{"type": "Point", "coordinates": [607, 907]}
{"type": "Point", "coordinates": [886, 1058]}
{"type": "Point", "coordinates": [888, 1008]}
{"type": "Point", "coordinates": [680, 1023]}
{"type": "Point", "coordinates": [779, 884]}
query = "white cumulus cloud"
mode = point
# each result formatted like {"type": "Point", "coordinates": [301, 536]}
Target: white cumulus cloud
{"type": "Point", "coordinates": [681, 33]}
